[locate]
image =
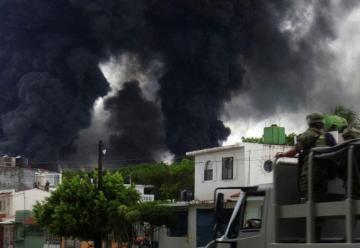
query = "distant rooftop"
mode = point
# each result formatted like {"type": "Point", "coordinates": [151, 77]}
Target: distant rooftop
{"type": "Point", "coordinates": [214, 149]}
{"type": "Point", "coordinates": [228, 147]}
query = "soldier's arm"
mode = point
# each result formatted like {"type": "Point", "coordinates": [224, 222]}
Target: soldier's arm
{"type": "Point", "coordinates": [289, 153]}
{"type": "Point", "coordinates": [298, 147]}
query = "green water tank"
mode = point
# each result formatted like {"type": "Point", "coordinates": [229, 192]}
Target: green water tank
{"type": "Point", "coordinates": [274, 135]}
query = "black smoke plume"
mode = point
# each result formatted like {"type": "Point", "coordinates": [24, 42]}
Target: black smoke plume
{"type": "Point", "coordinates": [136, 124]}
{"type": "Point", "coordinates": [211, 50]}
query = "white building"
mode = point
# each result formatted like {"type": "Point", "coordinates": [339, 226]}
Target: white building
{"type": "Point", "coordinates": [44, 179]}
{"type": "Point", "coordinates": [142, 191]}
{"type": "Point", "coordinates": [243, 164]}
{"type": "Point", "coordinates": [11, 201]}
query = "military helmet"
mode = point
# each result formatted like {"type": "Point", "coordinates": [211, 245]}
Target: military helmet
{"type": "Point", "coordinates": [315, 118]}
{"type": "Point", "coordinates": [335, 122]}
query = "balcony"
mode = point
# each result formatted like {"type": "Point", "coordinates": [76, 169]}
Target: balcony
{"type": "Point", "coordinates": [147, 198]}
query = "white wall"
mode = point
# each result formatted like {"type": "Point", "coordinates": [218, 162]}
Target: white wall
{"type": "Point", "coordinates": [255, 156]}
{"type": "Point", "coordinates": [25, 200]}
{"type": "Point", "coordinates": [248, 168]}
{"type": "Point", "coordinates": [6, 197]}
{"type": "Point", "coordinates": [204, 190]}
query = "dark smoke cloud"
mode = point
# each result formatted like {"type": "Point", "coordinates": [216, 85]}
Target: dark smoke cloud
{"type": "Point", "coordinates": [201, 43]}
{"type": "Point", "coordinates": [49, 75]}
{"type": "Point", "coordinates": [136, 125]}
{"type": "Point", "coordinates": [211, 50]}
{"type": "Point", "coordinates": [288, 59]}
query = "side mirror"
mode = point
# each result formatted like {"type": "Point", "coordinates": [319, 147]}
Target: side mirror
{"type": "Point", "coordinates": [219, 207]}
{"type": "Point", "coordinates": [218, 214]}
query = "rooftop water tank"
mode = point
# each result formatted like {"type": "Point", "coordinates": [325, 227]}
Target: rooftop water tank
{"type": "Point", "coordinates": [274, 135]}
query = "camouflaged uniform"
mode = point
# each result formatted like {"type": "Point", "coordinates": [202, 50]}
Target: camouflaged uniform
{"type": "Point", "coordinates": [352, 133]}
{"type": "Point", "coordinates": [305, 142]}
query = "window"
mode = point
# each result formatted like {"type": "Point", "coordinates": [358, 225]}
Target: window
{"type": "Point", "coordinates": [181, 225]}
{"type": "Point", "coordinates": [2, 205]}
{"type": "Point", "coordinates": [227, 168]}
{"type": "Point", "coordinates": [253, 212]}
{"type": "Point", "coordinates": [208, 171]}
{"type": "Point", "coordinates": [249, 217]}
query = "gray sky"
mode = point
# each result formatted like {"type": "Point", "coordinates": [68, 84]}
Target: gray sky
{"type": "Point", "coordinates": [336, 82]}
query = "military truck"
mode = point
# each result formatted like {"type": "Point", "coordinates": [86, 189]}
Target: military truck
{"type": "Point", "coordinates": [273, 215]}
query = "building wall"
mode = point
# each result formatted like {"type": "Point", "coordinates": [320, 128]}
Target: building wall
{"type": "Point", "coordinates": [188, 241]}
{"type": "Point", "coordinates": [25, 200]}
{"type": "Point", "coordinates": [255, 156]}
{"type": "Point", "coordinates": [17, 178]}
{"type": "Point", "coordinates": [204, 190]}
{"type": "Point", "coordinates": [248, 168]}
{"type": "Point", "coordinates": [173, 242]}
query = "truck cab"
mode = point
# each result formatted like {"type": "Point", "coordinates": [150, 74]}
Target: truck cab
{"type": "Point", "coordinates": [274, 215]}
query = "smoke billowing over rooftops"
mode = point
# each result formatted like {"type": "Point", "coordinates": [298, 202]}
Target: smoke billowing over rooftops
{"type": "Point", "coordinates": [252, 57]}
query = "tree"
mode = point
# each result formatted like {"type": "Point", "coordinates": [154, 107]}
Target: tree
{"type": "Point", "coordinates": [348, 113]}
{"type": "Point", "coordinates": [168, 180]}
{"type": "Point", "coordinates": [290, 139]}
{"type": "Point", "coordinates": [78, 209]}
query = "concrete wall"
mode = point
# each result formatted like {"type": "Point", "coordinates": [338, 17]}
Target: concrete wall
{"type": "Point", "coordinates": [187, 241]}
{"type": "Point", "coordinates": [190, 240]}
{"type": "Point", "coordinates": [173, 242]}
{"type": "Point", "coordinates": [25, 200]}
{"type": "Point", "coordinates": [255, 156]}
{"type": "Point", "coordinates": [17, 178]}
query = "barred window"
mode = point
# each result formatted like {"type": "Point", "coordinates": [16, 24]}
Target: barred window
{"type": "Point", "coordinates": [227, 168]}
{"type": "Point", "coordinates": [208, 171]}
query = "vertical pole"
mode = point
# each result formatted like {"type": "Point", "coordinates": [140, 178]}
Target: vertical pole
{"type": "Point", "coordinates": [98, 239]}
{"type": "Point", "coordinates": [100, 165]}
{"type": "Point", "coordinates": [275, 207]}
{"type": "Point", "coordinates": [349, 216]}
{"type": "Point", "coordinates": [310, 232]}
{"type": "Point", "coordinates": [249, 168]}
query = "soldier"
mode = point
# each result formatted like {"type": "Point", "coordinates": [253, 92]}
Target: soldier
{"type": "Point", "coordinates": [351, 133]}
{"type": "Point", "coordinates": [335, 123]}
{"type": "Point", "coordinates": [312, 137]}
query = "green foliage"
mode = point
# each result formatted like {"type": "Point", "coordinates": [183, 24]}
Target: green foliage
{"type": "Point", "coordinates": [252, 140]}
{"type": "Point", "coordinates": [348, 113]}
{"type": "Point", "coordinates": [168, 180]}
{"type": "Point", "coordinates": [154, 213]}
{"type": "Point", "coordinates": [289, 139]}
{"type": "Point", "coordinates": [77, 209]}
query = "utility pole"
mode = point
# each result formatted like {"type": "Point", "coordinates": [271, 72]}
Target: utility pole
{"type": "Point", "coordinates": [100, 165]}
{"type": "Point", "coordinates": [98, 239]}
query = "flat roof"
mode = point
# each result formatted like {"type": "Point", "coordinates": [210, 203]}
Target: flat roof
{"type": "Point", "coordinates": [228, 147]}
{"type": "Point", "coordinates": [214, 149]}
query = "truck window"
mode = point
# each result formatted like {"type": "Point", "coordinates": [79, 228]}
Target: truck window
{"type": "Point", "coordinates": [249, 217]}
{"type": "Point", "coordinates": [253, 212]}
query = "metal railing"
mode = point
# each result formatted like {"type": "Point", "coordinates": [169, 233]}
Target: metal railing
{"type": "Point", "coordinates": [335, 153]}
